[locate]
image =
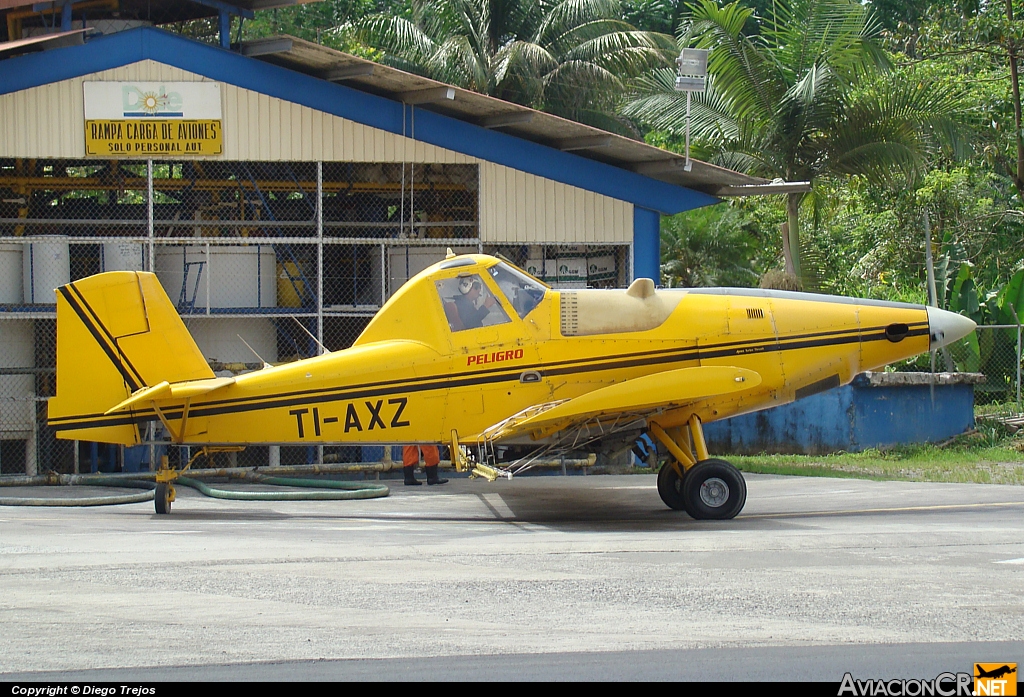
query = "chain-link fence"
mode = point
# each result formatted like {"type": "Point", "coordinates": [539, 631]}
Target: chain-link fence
{"type": "Point", "coordinates": [995, 352]}
{"type": "Point", "coordinates": [287, 256]}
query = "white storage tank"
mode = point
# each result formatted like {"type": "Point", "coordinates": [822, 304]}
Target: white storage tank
{"type": "Point", "coordinates": [406, 262]}
{"type": "Point", "coordinates": [12, 291]}
{"type": "Point", "coordinates": [218, 338]}
{"type": "Point", "coordinates": [122, 256]}
{"type": "Point", "coordinates": [46, 266]}
{"type": "Point", "coordinates": [218, 276]}
{"type": "Point", "coordinates": [17, 392]}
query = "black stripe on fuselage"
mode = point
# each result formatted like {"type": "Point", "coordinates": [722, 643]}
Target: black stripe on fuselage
{"type": "Point", "coordinates": [496, 375]}
{"type": "Point", "coordinates": [673, 354]}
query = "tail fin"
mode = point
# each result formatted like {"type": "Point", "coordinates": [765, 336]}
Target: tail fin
{"type": "Point", "coordinates": [117, 333]}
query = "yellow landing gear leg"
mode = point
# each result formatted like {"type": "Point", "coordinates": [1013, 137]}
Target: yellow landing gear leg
{"type": "Point", "coordinates": [165, 476]}
{"type": "Point", "coordinates": [165, 493]}
{"type": "Point", "coordinates": [705, 487]}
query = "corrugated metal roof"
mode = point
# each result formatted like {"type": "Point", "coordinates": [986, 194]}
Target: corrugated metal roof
{"type": "Point", "coordinates": [42, 43]}
{"type": "Point", "coordinates": [489, 112]}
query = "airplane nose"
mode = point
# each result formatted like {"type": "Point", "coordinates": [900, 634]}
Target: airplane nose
{"type": "Point", "coordinates": [946, 327]}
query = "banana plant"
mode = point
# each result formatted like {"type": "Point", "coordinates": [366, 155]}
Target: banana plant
{"type": "Point", "coordinates": [992, 351]}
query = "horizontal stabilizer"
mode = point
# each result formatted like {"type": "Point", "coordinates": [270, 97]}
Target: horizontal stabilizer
{"type": "Point", "coordinates": [165, 391]}
{"type": "Point", "coordinates": [660, 391]}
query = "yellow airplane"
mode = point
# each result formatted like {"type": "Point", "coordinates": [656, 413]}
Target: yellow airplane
{"type": "Point", "coordinates": [475, 352]}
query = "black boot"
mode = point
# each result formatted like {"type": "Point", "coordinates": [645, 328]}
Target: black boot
{"type": "Point", "coordinates": [410, 478]}
{"type": "Point", "coordinates": [432, 477]}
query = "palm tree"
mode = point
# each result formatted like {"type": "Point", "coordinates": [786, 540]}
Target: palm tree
{"type": "Point", "coordinates": [707, 247]}
{"type": "Point", "coordinates": [567, 57]}
{"type": "Point", "coordinates": [808, 96]}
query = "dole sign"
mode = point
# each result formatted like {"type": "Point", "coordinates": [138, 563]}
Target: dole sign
{"type": "Point", "coordinates": [153, 119]}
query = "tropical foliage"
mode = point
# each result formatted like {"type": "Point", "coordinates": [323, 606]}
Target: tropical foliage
{"type": "Point", "coordinates": [571, 58]}
{"type": "Point", "coordinates": [808, 97]}
{"type": "Point", "coordinates": [905, 115]}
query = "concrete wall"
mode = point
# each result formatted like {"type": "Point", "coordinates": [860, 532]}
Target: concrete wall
{"type": "Point", "coordinates": [851, 418]}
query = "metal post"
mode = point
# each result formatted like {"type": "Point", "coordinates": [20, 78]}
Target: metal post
{"type": "Point", "coordinates": [320, 258]}
{"type": "Point", "coordinates": [401, 207]}
{"type": "Point", "coordinates": [31, 467]}
{"type": "Point", "coordinates": [209, 272]}
{"type": "Point", "coordinates": [1018, 364]}
{"type": "Point", "coordinates": [319, 274]}
{"type": "Point", "coordinates": [225, 29]}
{"type": "Point", "coordinates": [150, 230]}
{"type": "Point", "coordinates": [65, 16]}
{"type": "Point", "coordinates": [689, 164]}
{"type": "Point", "coordinates": [77, 458]}
{"type": "Point", "coordinates": [412, 179]}
{"type": "Point", "coordinates": [383, 274]}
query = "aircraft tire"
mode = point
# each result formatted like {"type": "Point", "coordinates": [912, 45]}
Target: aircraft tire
{"type": "Point", "coordinates": [670, 487]}
{"type": "Point", "coordinates": [162, 497]}
{"type": "Point", "coordinates": [714, 490]}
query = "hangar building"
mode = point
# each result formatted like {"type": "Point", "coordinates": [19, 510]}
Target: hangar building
{"type": "Point", "coordinates": [280, 190]}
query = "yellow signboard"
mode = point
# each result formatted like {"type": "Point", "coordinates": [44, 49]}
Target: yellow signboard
{"type": "Point", "coordinates": [150, 136]}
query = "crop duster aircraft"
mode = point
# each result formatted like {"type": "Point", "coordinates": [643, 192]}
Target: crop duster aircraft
{"type": "Point", "coordinates": [474, 351]}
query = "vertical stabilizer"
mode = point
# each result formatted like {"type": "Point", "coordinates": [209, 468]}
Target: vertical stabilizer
{"type": "Point", "coordinates": [117, 333]}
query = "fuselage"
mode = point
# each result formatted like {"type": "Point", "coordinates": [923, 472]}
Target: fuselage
{"type": "Point", "coordinates": [417, 373]}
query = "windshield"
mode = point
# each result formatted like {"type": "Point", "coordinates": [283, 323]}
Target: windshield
{"type": "Point", "coordinates": [522, 292]}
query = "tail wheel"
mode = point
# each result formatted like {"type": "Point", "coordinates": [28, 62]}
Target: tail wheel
{"type": "Point", "coordinates": [163, 497]}
{"type": "Point", "coordinates": [713, 490]}
{"type": "Point", "coordinates": [670, 487]}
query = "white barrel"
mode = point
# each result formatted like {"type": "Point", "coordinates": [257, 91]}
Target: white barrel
{"type": "Point", "coordinates": [17, 392]}
{"type": "Point", "coordinates": [12, 291]}
{"type": "Point", "coordinates": [122, 256]}
{"type": "Point", "coordinates": [45, 267]}
{"type": "Point", "coordinates": [218, 338]}
{"type": "Point", "coordinates": [406, 262]}
{"type": "Point", "coordinates": [221, 277]}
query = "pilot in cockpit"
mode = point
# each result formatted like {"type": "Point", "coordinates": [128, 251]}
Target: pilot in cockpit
{"type": "Point", "coordinates": [472, 303]}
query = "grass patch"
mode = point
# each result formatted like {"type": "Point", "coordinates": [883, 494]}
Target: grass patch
{"type": "Point", "coordinates": [983, 458]}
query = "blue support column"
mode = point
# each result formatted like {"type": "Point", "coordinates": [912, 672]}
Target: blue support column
{"type": "Point", "coordinates": [225, 29]}
{"type": "Point", "coordinates": [647, 244]}
{"type": "Point", "coordinates": [65, 16]}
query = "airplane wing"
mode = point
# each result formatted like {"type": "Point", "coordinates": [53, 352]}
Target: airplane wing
{"type": "Point", "coordinates": [640, 396]}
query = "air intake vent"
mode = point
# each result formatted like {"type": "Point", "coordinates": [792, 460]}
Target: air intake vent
{"type": "Point", "coordinates": [570, 314]}
{"type": "Point", "coordinates": [755, 313]}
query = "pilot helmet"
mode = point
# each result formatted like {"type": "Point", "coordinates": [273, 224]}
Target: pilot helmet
{"type": "Point", "coordinates": [465, 284]}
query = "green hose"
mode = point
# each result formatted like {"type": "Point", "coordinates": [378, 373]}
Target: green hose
{"type": "Point", "coordinates": [351, 490]}
{"type": "Point", "coordinates": [89, 500]}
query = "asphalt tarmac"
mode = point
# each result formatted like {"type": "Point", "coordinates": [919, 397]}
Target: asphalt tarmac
{"type": "Point", "coordinates": [539, 578]}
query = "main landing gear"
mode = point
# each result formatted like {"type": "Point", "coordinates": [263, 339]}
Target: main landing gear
{"type": "Point", "coordinates": [706, 488]}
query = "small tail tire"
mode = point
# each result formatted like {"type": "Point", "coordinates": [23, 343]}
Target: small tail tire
{"type": "Point", "coordinates": [670, 487]}
{"type": "Point", "coordinates": [163, 497]}
{"type": "Point", "coordinates": [714, 490]}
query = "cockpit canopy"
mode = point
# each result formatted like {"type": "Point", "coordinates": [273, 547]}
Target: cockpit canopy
{"type": "Point", "coordinates": [467, 299]}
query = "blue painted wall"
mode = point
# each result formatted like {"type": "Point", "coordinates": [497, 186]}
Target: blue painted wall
{"type": "Point", "coordinates": [851, 419]}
